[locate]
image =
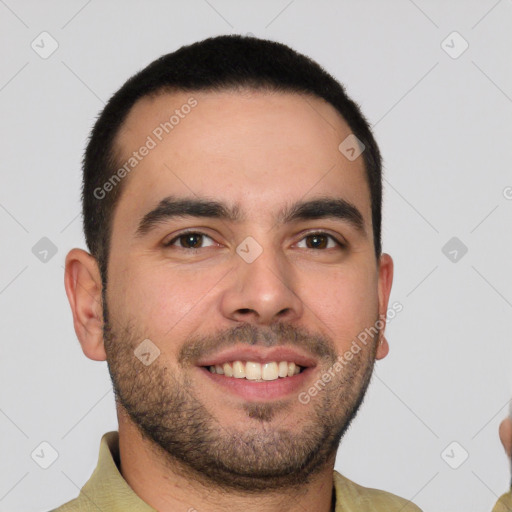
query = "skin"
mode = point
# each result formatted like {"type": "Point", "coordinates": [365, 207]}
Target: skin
{"type": "Point", "coordinates": [505, 432]}
{"type": "Point", "coordinates": [185, 442]}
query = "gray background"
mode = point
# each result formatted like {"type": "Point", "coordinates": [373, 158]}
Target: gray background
{"type": "Point", "coordinates": [444, 127]}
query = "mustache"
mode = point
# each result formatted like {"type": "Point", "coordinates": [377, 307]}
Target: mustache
{"type": "Point", "coordinates": [273, 335]}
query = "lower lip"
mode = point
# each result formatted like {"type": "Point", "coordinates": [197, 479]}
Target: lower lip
{"type": "Point", "coordinates": [268, 390]}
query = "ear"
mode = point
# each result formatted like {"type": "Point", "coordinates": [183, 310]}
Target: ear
{"type": "Point", "coordinates": [384, 287]}
{"type": "Point", "coordinates": [82, 281]}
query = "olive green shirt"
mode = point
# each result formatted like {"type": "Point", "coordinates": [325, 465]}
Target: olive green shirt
{"type": "Point", "coordinates": [107, 491]}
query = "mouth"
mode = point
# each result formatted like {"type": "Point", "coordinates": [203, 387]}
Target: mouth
{"type": "Point", "coordinates": [255, 371]}
{"type": "Point", "coordinates": [253, 374]}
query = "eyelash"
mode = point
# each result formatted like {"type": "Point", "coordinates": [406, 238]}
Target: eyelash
{"type": "Point", "coordinates": [185, 233]}
{"type": "Point", "coordinates": [340, 244]}
{"type": "Point", "coordinates": [170, 243]}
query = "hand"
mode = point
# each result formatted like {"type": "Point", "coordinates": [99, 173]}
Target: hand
{"type": "Point", "coordinates": [506, 435]}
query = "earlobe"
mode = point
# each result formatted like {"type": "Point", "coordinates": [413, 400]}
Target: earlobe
{"type": "Point", "coordinates": [382, 348]}
{"type": "Point", "coordinates": [385, 283]}
{"type": "Point", "coordinates": [83, 285]}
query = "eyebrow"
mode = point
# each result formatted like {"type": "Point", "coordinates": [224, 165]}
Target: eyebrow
{"type": "Point", "coordinates": [170, 207]}
{"type": "Point", "coordinates": [322, 208]}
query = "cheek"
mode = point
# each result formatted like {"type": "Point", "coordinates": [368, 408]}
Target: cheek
{"type": "Point", "coordinates": [162, 299]}
{"type": "Point", "coordinates": [345, 300]}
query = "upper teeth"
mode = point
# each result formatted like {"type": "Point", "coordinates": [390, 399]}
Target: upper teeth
{"type": "Point", "coordinates": [256, 371]}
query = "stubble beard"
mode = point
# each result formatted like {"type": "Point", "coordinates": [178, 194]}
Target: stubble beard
{"type": "Point", "coordinates": [192, 441]}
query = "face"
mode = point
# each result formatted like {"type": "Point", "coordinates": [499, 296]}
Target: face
{"type": "Point", "coordinates": [243, 235]}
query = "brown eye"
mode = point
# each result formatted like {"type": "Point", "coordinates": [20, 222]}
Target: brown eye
{"type": "Point", "coordinates": [190, 241]}
{"type": "Point", "coordinates": [316, 241]}
{"type": "Point", "coordinates": [319, 241]}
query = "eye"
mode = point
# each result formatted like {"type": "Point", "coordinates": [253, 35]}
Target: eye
{"type": "Point", "coordinates": [190, 240]}
{"type": "Point", "coordinates": [319, 241]}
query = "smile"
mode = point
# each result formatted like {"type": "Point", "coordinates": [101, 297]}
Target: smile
{"type": "Point", "coordinates": [252, 370]}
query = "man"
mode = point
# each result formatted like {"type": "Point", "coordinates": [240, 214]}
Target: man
{"type": "Point", "coordinates": [235, 283]}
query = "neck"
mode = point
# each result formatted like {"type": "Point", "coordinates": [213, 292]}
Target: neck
{"type": "Point", "coordinates": [169, 487]}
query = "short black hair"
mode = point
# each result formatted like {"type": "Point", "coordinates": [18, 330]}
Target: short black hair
{"type": "Point", "coordinates": [227, 62]}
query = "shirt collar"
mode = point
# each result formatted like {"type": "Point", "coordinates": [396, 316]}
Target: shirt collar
{"type": "Point", "coordinates": [107, 490]}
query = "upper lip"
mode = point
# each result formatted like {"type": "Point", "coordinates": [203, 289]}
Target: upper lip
{"type": "Point", "coordinates": [259, 355]}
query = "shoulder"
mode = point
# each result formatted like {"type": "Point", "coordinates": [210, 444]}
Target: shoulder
{"type": "Point", "coordinates": [504, 504]}
{"type": "Point", "coordinates": [371, 499]}
{"type": "Point", "coordinates": [77, 504]}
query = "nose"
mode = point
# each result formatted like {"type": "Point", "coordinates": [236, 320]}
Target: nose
{"type": "Point", "coordinates": [262, 292]}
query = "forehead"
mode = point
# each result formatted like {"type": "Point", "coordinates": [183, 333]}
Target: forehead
{"type": "Point", "coordinates": [252, 147]}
